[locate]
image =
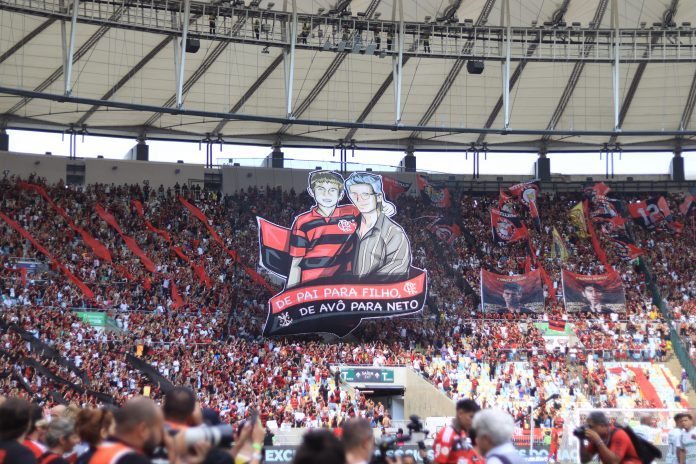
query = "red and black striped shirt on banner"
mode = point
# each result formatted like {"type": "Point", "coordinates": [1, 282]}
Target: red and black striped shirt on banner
{"type": "Point", "coordinates": [324, 243]}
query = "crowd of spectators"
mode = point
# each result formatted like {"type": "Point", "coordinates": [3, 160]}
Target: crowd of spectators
{"type": "Point", "coordinates": [197, 318]}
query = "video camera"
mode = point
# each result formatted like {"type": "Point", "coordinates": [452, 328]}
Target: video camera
{"type": "Point", "coordinates": [387, 447]}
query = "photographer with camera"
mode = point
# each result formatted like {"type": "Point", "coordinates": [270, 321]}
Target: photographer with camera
{"type": "Point", "coordinates": [599, 437]}
{"type": "Point", "coordinates": [453, 444]}
{"type": "Point", "coordinates": [190, 436]}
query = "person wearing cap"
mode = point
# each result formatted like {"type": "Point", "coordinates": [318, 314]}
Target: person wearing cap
{"type": "Point", "coordinates": [611, 444]}
{"type": "Point", "coordinates": [512, 295]}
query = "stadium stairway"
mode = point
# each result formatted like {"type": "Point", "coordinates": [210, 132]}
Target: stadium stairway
{"type": "Point", "coordinates": [673, 366]}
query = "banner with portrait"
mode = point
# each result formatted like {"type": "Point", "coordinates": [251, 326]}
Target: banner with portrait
{"type": "Point", "coordinates": [593, 295]}
{"type": "Point", "coordinates": [515, 294]}
{"type": "Point", "coordinates": [342, 262]}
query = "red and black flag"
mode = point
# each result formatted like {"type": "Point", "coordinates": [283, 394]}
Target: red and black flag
{"type": "Point", "coordinates": [439, 197]}
{"type": "Point", "coordinates": [507, 228]}
{"type": "Point", "coordinates": [689, 204]}
{"type": "Point", "coordinates": [598, 189]}
{"type": "Point", "coordinates": [559, 325]}
{"type": "Point", "coordinates": [650, 213]}
{"type": "Point", "coordinates": [445, 230]}
{"type": "Point", "coordinates": [625, 249]}
{"type": "Point", "coordinates": [654, 213]}
{"type": "Point", "coordinates": [506, 201]}
{"type": "Point", "coordinates": [274, 247]}
{"type": "Point", "coordinates": [394, 188]}
{"type": "Point", "coordinates": [527, 192]}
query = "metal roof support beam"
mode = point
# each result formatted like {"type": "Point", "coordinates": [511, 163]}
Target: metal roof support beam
{"type": "Point", "coordinates": [250, 91]}
{"type": "Point", "coordinates": [615, 70]}
{"type": "Point", "coordinates": [453, 73]}
{"type": "Point", "coordinates": [371, 8]}
{"type": "Point", "coordinates": [505, 16]}
{"type": "Point", "coordinates": [290, 60]}
{"type": "Point", "coordinates": [134, 70]}
{"type": "Point", "coordinates": [638, 76]}
{"type": "Point", "coordinates": [198, 73]}
{"type": "Point", "coordinates": [182, 56]}
{"type": "Point", "coordinates": [511, 81]}
{"type": "Point", "coordinates": [326, 78]}
{"type": "Point", "coordinates": [398, 64]}
{"type": "Point", "coordinates": [689, 107]}
{"type": "Point", "coordinates": [24, 40]}
{"type": "Point", "coordinates": [574, 75]}
{"type": "Point", "coordinates": [67, 72]}
{"type": "Point", "coordinates": [374, 100]}
{"type": "Point", "coordinates": [82, 51]}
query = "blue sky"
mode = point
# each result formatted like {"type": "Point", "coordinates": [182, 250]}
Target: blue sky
{"type": "Point", "coordinates": [454, 163]}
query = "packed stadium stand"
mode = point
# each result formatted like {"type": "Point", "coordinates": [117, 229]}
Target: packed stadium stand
{"type": "Point", "coordinates": [183, 307]}
{"type": "Point", "coordinates": [309, 298]}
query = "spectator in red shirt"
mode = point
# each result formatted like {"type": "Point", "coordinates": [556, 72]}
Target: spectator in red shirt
{"type": "Point", "coordinates": [452, 444]}
{"type": "Point", "coordinates": [612, 444]}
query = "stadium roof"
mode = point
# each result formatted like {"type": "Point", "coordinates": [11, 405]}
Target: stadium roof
{"type": "Point", "coordinates": [566, 92]}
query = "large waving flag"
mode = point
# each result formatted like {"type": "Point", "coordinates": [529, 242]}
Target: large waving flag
{"type": "Point", "coordinates": [577, 218]}
{"type": "Point", "coordinates": [445, 230]}
{"type": "Point", "coordinates": [507, 228]}
{"type": "Point", "coordinates": [527, 192]}
{"type": "Point", "coordinates": [439, 197]}
{"type": "Point", "coordinates": [558, 247]}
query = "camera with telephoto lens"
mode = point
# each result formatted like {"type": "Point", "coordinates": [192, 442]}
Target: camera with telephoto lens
{"type": "Point", "coordinates": [216, 435]}
{"type": "Point", "coordinates": [391, 446]}
{"type": "Point", "coordinates": [580, 432]}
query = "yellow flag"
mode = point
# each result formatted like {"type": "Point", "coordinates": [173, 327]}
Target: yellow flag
{"type": "Point", "coordinates": [558, 248]}
{"type": "Point", "coordinates": [577, 218]}
{"type": "Point", "coordinates": [139, 351]}
{"type": "Point", "coordinates": [146, 390]}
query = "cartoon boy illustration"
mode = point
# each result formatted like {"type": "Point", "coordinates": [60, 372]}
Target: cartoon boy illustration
{"type": "Point", "coordinates": [322, 239]}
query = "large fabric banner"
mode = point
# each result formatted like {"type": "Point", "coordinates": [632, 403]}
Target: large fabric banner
{"type": "Point", "coordinates": [593, 295]}
{"type": "Point", "coordinates": [341, 263]}
{"type": "Point", "coordinates": [512, 294]}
